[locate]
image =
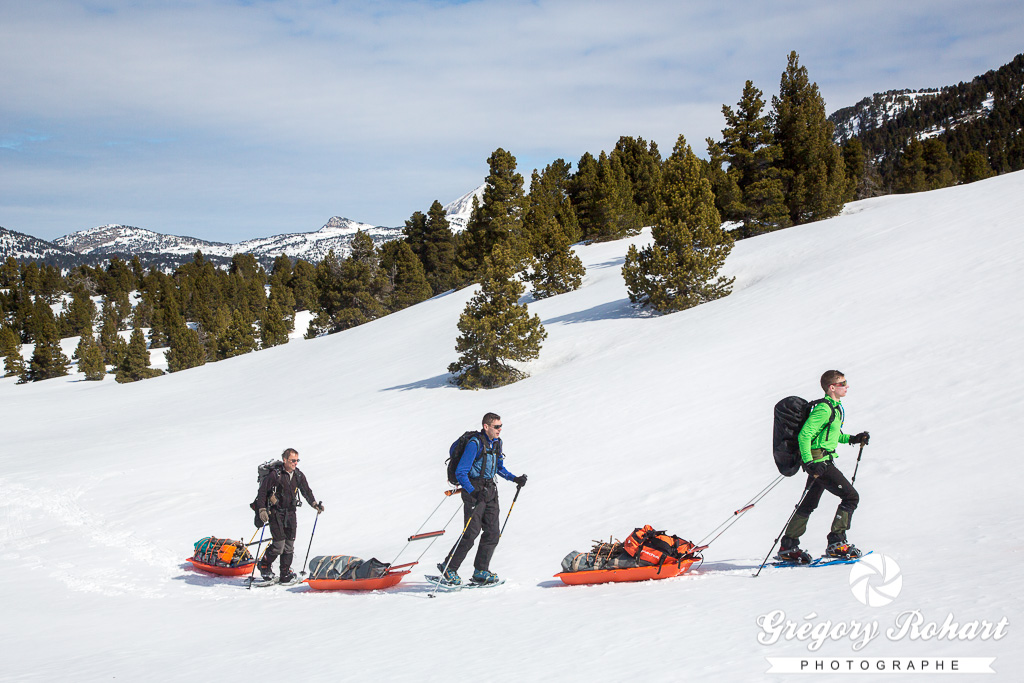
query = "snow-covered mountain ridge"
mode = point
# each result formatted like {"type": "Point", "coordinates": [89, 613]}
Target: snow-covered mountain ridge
{"type": "Point", "coordinates": [126, 241]}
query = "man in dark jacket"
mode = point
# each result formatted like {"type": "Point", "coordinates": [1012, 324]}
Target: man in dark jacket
{"type": "Point", "coordinates": [480, 461]}
{"type": "Point", "coordinates": [276, 501]}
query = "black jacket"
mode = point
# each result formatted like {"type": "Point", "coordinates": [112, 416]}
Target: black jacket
{"type": "Point", "coordinates": [287, 490]}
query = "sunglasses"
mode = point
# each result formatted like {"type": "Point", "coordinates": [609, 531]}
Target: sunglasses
{"type": "Point", "coordinates": [841, 384]}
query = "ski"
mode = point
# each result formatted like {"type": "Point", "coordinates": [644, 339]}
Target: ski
{"type": "Point", "coordinates": [452, 587]}
{"type": "Point", "coordinates": [822, 561]}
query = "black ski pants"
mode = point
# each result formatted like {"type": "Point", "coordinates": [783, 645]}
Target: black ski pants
{"type": "Point", "coordinates": [836, 483]}
{"type": "Point", "coordinates": [484, 517]}
{"type": "Point", "coordinates": [283, 527]}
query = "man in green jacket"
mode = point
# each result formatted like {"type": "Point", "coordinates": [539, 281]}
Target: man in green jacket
{"type": "Point", "coordinates": [818, 438]}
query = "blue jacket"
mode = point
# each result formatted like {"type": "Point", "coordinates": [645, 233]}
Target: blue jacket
{"type": "Point", "coordinates": [476, 465]}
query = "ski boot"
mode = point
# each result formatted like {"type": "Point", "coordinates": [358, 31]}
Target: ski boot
{"type": "Point", "coordinates": [794, 555]}
{"type": "Point", "coordinates": [266, 571]}
{"type": "Point", "coordinates": [448, 576]}
{"type": "Point", "coordinates": [484, 576]}
{"type": "Point", "coordinates": [842, 550]}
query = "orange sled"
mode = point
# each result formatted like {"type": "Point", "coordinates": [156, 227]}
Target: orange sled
{"type": "Point", "coordinates": [240, 570]}
{"type": "Point", "coordinates": [387, 581]}
{"type": "Point", "coordinates": [593, 576]}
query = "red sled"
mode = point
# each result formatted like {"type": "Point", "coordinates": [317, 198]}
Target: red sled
{"type": "Point", "coordinates": [387, 581]}
{"type": "Point", "coordinates": [240, 570]}
{"type": "Point", "coordinates": [595, 576]}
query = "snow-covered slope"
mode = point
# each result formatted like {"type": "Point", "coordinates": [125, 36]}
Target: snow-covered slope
{"type": "Point", "coordinates": [627, 419]}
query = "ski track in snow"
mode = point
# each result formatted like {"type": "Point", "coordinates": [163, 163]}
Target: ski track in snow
{"type": "Point", "coordinates": [32, 516]}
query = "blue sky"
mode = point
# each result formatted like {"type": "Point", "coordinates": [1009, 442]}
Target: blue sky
{"type": "Point", "coordinates": [228, 120]}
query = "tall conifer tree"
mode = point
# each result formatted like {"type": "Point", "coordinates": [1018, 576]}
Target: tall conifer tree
{"type": "Point", "coordinates": [752, 153]}
{"type": "Point", "coordinates": [812, 170]}
{"type": "Point", "coordinates": [498, 218]}
{"type": "Point", "coordinates": [495, 329]}
{"type": "Point", "coordinates": [680, 270]}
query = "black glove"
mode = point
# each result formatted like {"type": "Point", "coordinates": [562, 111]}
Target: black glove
{"type": "Point", "coordinates": [264, 515]}
{"type": "Point", "coordinates": [520, 481]}
{"type": "Point", "coordinates": [815, 468]}
{"type": "Point", "coordinates": [476, 497]}
{"type": "Point", "coordinates": [863, 438]}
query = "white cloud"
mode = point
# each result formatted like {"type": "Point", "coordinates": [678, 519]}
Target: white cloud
{"type": "Point", "coordinates": [373, 110]}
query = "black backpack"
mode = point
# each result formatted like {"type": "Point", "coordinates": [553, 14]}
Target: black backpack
{"type": "Point", "coordinates": [261, 473]}
{"type": "Point", "coordinates": [455, 454]}
{"type": "Point", "coordinates": [790, 415]}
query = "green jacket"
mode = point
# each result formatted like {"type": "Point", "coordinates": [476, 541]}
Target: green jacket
{"type": "Point", "coordinates": [818, 434]}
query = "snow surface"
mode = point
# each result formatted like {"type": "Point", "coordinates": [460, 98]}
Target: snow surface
{"type": "Point", "coordinates": [627, 419]}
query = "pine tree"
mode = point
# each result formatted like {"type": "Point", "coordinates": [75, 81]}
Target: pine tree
{"type": "Point", "coordinates": [274, 326]}
{"type": "Point", "coordinates": [430, 238]}
{"type": "Point", "coordinates": [238, 338]}
{"type": "Point", "coordinates": [48, 360]}
{"type": "Point", "coordinates": [407, 282]}
{"type": "Point", "coordinates": [812, 173]}
{"type": "Point", "coordinates": [556, 269]}
{"type": "Point", "coordinates": [603, 199]}
{"type": "Point", "coordinates": [135, 365]}
{"type": "Point", "coordinates": [438, 255]}
{"type": "Point", "coordinates": [910, 175]}
{"type": "Point", "coordinates": [185, 350]}
{"type": "Point", "coordinates": [974, 166]}
{"type": "Point", "coordinates": [752, 153]}
{"type": "Point", "coordinates": [549, 199]}
{"type": "Point", "coordinates": [111, 343]}
{"type": "Point", "coordinates": [938, 167]}
{"type": "Point", "coordinates": [855, 163]}
{"type": "Point", "coordinates": [90, 358]}
{"type": "Point", "coordinates": [79, 313]}
{"type": "Point", "coordinates": [498, 219]}
{"type": "Point", "coordinates": [495, 329]}
{"type": "Point", "coordinates": [680, 270]}
{"type": "Point", "coordinates": [642, 165]}
{"type": "Point", "coordinates": [10, 349]}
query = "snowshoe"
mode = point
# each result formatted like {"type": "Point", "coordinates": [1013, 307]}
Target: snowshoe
{"type": "Point", "coordinates": [794, 555]}
{"type": "Point", "coordinates": [842, 550]}
{"type": "Point", "coordinates": [288, 576]}
{"type": "Point", "coordinates": [484, 576]}
{"type": "Point", "coordinates": [266, 571]}
{"type": "Point", "coordinates": [448, 576]}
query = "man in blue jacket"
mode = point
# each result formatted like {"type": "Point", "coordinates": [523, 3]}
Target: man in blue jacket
{"type": "Point", "coordinates": [481, 459]}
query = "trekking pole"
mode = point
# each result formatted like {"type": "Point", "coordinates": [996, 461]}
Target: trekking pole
{"type": "Point", "coordinates": [734, 517]}
{"type": "Point", "coordinates": [791, 515]}
{"type": "Point", "coordinates": [255, 557]}
{"type": "Point", "coordinates": [518, 488]}
{"type": "Point", "coordinates": [858, 464]}
{"type": "Point", "coordinates": [452, 552]}
{"type": "Point", "coordinates": [319, 504]}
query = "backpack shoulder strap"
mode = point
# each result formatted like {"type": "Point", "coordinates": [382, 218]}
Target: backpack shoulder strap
{"type": "Point", "coordinates": [831, 418]}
